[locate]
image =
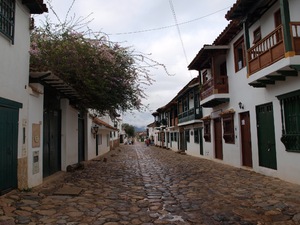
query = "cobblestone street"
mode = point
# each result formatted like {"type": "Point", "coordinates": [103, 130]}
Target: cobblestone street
{"type": "Point", "coordinates": [135, 184]}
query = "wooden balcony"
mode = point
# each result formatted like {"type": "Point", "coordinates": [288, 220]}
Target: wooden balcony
{"type": "Point", "coordinates": [271, 48]}
{"type": "Point", "coordinates": [214, 86]}
{"type": "Point", "coordinates": [190, 115]}
{"type": "Point", "coordinates": [212, 92]}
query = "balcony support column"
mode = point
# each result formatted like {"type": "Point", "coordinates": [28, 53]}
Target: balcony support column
{"type": "Point", "coordinates": [285, 18]}
{"type": "Point", "coordinates": [247, 43]}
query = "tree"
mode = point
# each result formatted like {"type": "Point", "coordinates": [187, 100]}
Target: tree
{"type": "Point", "coordinates": [129, 129]}
{"type": "Point", "coordinates": [108, 77]}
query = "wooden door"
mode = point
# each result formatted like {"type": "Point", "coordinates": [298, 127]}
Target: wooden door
{"type": "Point", "coordinates": [181, 140]}
{"type": "Point", "coordinates": [218, 138]}
{"type": "Point", "coordinates": [266, 136]}
{"type": "Point", "coordinates": [246, 139]}
{"type": "Point", "coordinates": [8, 148]}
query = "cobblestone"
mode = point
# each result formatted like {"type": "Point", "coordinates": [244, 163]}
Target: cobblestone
{"type": "Point", "coordinates": [144, 185]}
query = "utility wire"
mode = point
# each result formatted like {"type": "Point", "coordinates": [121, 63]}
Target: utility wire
{"type": "Point", "coordinates": [179, 33]}
{"type": "Point", "coordinates": [169, 26]}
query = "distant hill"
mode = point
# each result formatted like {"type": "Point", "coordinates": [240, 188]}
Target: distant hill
{"type": "Point", "coordinates": [139, 129]}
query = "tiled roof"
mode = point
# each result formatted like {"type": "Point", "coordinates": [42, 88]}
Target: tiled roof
{"type": "Point", "coordinates": [102, 123]}
{"type": "Point", "coordinates": [249, 8]}
{"type": "Point", "coordinates": [35, 6]}
{"type": "Point", "coordinates": [228, 33]}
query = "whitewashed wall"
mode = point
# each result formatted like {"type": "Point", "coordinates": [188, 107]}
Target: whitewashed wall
{"type": "Point", "coordinates": [69, 134]}
{"type": "Point", "coordinates": [35, 106]}
{"type": "Point", "coordinates": [14, 64]}
{"type": "Point", "coordinates": [90, 139]}
{"type": "Point", "coordinates": [103, 146]}
{"type": "Point", "coordinates": [288, 167]}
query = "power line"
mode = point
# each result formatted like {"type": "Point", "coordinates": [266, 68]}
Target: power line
{"type": "Point", "coordinates": [169, 26]}
{"type": "Point", "coordinates": [179, 33]}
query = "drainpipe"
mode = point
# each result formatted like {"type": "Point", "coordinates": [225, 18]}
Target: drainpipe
{"type": "Point", "coordinates": [285, 18]}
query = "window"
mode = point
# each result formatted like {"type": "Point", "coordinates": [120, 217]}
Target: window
{"type": "Point", "coordinates": [7, 18]}
{"type": "Point", "coordinates": [162, 136]}
{"type": "Point", "coordinates": [278, 22]}
{"type": "Point", "coordinates": [185, 104]}
{"type": "Point", "coordinates": [239, 54]}
{"type": "Point", "coordinates": [256, 35]}
{"type": "Point", "coordinates": [204, 77]}
{"type": "Point", "coordinates": [196, 135]}
{"type": "Point", "coordinates": [172, 137]}
{"type": "Point", "coordinates": [207, 136]}
{"type": "Point", "coordinates": [187, 135]}
{"type": "Point", "coordinates": [180, 107]}
{"type": "Point", "coordinates": [228, 128]}
{"type": "Point", "coordinates": [290, 105]}
{"type": "Point", "coordinates": [277, 18]}
{"type": "Point", "coordinates": [99, 136]}
{"type": "Point", "coordinates": [107, 139]}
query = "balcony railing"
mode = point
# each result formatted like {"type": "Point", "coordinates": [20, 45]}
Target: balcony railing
{"type": "Point", "coordinates": [214, 86]}
{"type": "Point", "coordinates": [191, 114]}
{"type": "Point", "coordinates": [271, 49]}
{"type": "Point", "coordinates": [266, 51]}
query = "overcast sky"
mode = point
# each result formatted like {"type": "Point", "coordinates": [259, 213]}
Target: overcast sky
{"type": "Point", "coordinates": [148, 26]}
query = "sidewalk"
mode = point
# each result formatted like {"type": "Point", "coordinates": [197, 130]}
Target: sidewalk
{"type": "Point", "coordinates": [136, 184]}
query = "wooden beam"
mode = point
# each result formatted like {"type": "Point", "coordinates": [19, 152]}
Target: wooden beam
{"type": "Point", "coordinates": [276, 77]}
{"type": "Point", "coordinates": [258, 85]}
{"type": "Point", "coordinates": [288, 73]}
{"type": "Point", "coordinates": [266, 81]}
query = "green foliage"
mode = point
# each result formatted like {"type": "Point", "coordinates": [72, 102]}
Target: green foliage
{"type": "Point", "coordinates": [129, 129]}
{"type": "Point", "coordinates": [108, 77]}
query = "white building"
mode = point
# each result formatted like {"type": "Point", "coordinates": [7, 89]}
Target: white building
{"type": "Point", "coordinates": [42, 131]}
{"type": "Point", "coordinates": [15, 124]}
{"type": "Point", "coordinates": [250, 90]}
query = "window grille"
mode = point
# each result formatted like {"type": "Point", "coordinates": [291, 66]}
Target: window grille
{"type": "Point", "coordinates": [7, 18]}
{"type": "Point", "coordinates": [290, 113]}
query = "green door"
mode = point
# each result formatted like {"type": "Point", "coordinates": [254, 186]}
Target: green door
{"type": "Point", "coordinates": [52, 142]}
{"type": "Point", "coordinates": [201, 140]}
{"type": "Point", "coordinates": [51, 134]}
{"type": "Point", "coordinates": [9, 117]}
{"type": "Point", "coordinates": [80, 137]}
{"type": "Point", "coordinates": [266, 136]}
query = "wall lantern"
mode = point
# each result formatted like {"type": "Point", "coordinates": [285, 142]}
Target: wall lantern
{"type": "Point", "coordinates": [94, 130]}
{"type": "Point", "coordinates": [241, 105]}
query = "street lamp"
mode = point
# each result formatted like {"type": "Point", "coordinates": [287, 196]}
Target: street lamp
{"type": "Point", "coordinates": [95, 130]}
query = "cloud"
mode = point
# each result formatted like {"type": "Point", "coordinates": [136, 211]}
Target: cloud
{"type": "Point", "coordinates": [200, 23]}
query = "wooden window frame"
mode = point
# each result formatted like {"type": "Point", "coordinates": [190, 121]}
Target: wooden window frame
{"type": "Point", "coordinates": [207, 130]}
{"type": "Point", "coordinates": [239, 45]}
{"type": "Point", "coordinates": [256, 35]}
{"type": "Point", "coordinates": [277, 18]}
{"type": "Point", "coordinates": [228, 128]}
